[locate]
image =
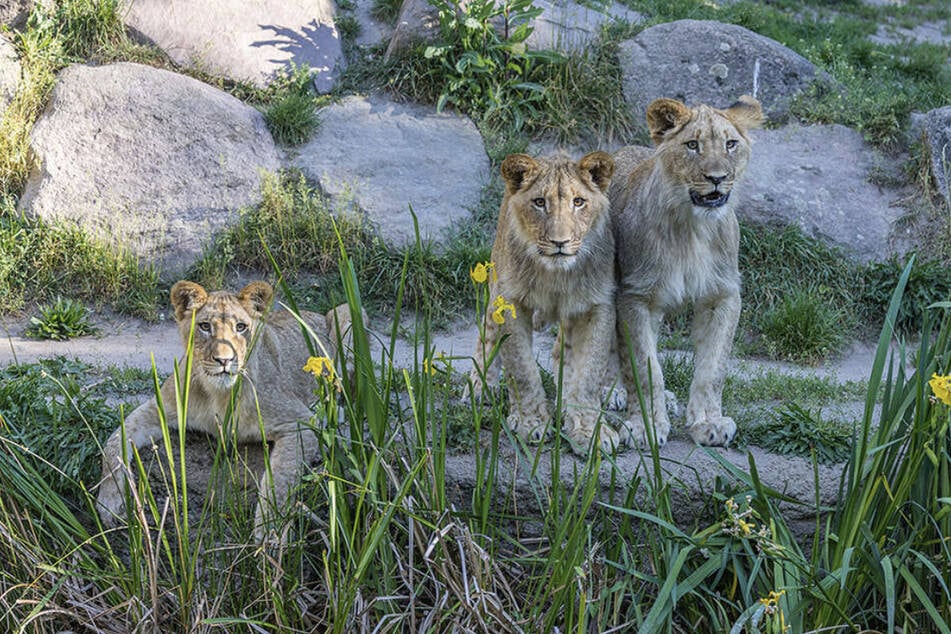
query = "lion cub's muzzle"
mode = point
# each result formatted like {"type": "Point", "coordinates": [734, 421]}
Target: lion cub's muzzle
{"type": "Point", "coordinates": [716, 198]}
{"type": "Point", "coordinates": [224, 362]}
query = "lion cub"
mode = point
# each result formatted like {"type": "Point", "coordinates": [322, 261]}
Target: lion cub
{"type": "Point", "coordinates": [232, 337]}
{"type": "Point", "coordinates": [554, 261]}
{"type": "Point", "coordinates": [677, 243]}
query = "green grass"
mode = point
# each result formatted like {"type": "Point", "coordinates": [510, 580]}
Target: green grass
{"type": "Point", "coordinates": [804, 328]}
{"type": "Point", "coordinates": [381, 536]}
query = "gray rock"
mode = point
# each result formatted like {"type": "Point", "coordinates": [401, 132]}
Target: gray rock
{"type": "Point", "coordinates": [816, 177]}
{"type": "Point", "coordinates": [391, 156]}
{"type": "Point", "coordinates": [565, 25]}
{"type": "Point", "coordinates": [146, 159]}
{"type": "Point", "coordinates": [9, 73]}
{"type": "Point", "coordinates": [14, 12]}
{"type": "Point", "coordinates": [938, 134]}
{"type": "Point", "coordinates": [249, 41]}
{"type": "Point", "coordinates": [924, 33]}
{"type": "Point", "coordinates": [418, 20]}
{"type": "Point", "coordinates": [372, 31]}
{"type": "Point", "coordinates": [710, 62]}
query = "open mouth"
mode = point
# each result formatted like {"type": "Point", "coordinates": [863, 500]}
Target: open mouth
{"type": "Point", "coordinates": [713, 199]}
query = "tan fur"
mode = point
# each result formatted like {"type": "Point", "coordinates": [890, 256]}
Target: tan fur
{"type": "Point", "coordinates": [677, 244]}
{"type": "Point", "coordinates": [234, 336]}
{"type": "Point", "coordinates": [553, 254]}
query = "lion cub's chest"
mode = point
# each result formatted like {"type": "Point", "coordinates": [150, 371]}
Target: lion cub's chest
{"type": "Point", "coordinates": [699, 268]}
{"type": "Point", "coordinates": [554, 296]}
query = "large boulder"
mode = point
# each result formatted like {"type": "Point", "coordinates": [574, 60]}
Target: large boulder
{"type": "Point", "coordinates": [245, 41]}
{"type": "Point", "coordinates": [418, 20]}
{"type": "Point", "coordinates": [390, 157]}
{"type": "Point", "coordinates": [565, 25]}
{"type": "Point", "coordinates": [146, 159]}
{"type": "Point", "coordinates": [14, 12]}
{"type": "Point", "coordinates": [817, 177]}
{"type": "Point", "coordinates": [700, 61]}
{"type": "Point", "coordinates": [9, 73]}
{"type": "Point", "coordinates": [938, 136]}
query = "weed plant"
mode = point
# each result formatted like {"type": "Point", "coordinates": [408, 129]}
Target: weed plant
{"type": "Point", "coordinates": [61, 320]}
{"type": "Point", "coordinates": [794, 430]}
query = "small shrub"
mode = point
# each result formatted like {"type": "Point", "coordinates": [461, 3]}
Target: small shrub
{"type": "Point", "coordinates": [796, 431]}
{"type": "Point", "coordinates": [61, 320]}
{"type": "Point", "coordinates": [290, 106]}
{"type": "Point", "coordinates": [929, 282]}
{"type": "Point", "coordinates": [803, 328]}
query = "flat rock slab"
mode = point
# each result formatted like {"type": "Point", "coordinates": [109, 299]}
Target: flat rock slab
{"type": "Point", "coordinates": [816, 177]}
{"type": "Point", "coordinates": [244, 41]}
{"type": "Point", "coordinates": [147, 160]}
{"type": "Point", "coordinates": [568, 26]}
{"type": "Point", "coordinates": [390, 157]}
{"type": "Point", "coordinates": [9, 73]}
{"type": "Point", "coordinates": [702, 61]}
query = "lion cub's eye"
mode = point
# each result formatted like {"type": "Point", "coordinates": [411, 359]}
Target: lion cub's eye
{"type": "Point", "coordinates": [579, 202]}
{"type": "Point", "coordinates": [692, 145]}
{"type": "Point", "coordinates": [731, 144]}
{"type": "Point", "coordinates": [204, 326]}
{"type": "Point", "coordinates": [539, 202]}
{"type": "Point", "coordinates": [240, 327]}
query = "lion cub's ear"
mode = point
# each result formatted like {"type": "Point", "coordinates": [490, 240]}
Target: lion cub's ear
{"type": "Point", "coordinates": [186, 297]}
{"type": "Point", "coordinates": [256, 297]}
{"type": "Point", "coordinates": [600, 166]}
{"type": "Point", "coordinates": [664, 115]}
{"type": "Point", "coordinates": [746, 113]}
{"type": "Point", "coordinates": [515, 170]}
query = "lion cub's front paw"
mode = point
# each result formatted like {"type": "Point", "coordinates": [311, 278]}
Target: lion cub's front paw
{"type": "Point", "coordinates": [580, 435]}
{"type": "Point", "coordinates": [533, 431]}
{"type": "Point", "coordinates": [614, 398]}
{"type": "Point", "coordinates": [714, 432]}
{"type": "Point", "coordinates": [634, 433]}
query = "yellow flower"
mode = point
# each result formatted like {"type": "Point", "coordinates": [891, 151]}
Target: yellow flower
{"type": "Point", "coordinates": [428, 367]}
{"type": "Point", "coordinates": [773, 599]}
{"type": "Point", "coordinates": [320, 366]}
{"type": "Point", "coordinates": [498, 315]}
{"type": "Point", "coordinates": [941, 386]}
{"type": "Point", "coordinates": [480, 273]}
{"type": "Point", "coordinates": [745, 527]}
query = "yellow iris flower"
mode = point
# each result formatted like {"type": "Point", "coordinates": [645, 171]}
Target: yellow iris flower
{"type": "Point", "coordinates": [498, 315]}
{"type": "Point", "coordinates": [941, 386]}
{"type": "Point", "coordinates": [320, 366]}
{"type": "Point", "coordinates": [480, 272]}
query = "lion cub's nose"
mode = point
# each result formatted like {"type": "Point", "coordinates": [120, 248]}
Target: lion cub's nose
{"type": "Point", "coordinates": [224, 355]}
{"type": "Point", "coordinates": [560, 243]}
{"type": "Point", "coordinates": [715, 178]}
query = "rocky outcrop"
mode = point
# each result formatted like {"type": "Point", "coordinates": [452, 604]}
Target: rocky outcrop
{"type": "Point", "coordinates": [392, 157]}
{"type": "Point", "coordinates": [245, 41]}
{"type": "Point", "coordinates": [710, 62]}
{"type": "Point", "coordinates": [146, 159]}
{"type": "Point", "coordinates": [9, 73]}
{"type": "Point", "coordinates": [14, 12]}
{"type": "Point", "coordinates": [817, 177]}
{"type": "Point", "coordinates": [938, 136]}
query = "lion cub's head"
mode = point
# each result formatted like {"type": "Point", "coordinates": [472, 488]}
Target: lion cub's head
{"type": "Point", "coordinates": [703, 150]}
{"type": "Point", "coordinates": [224, 325]}
{"type": "Point", "coordinates": [554, 204]}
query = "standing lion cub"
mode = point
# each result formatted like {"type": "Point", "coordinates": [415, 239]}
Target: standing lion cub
{"type": "Point", "coordinates": [234, 336]}
{"type": "Point", "coordinates": [677, 244]}
{"type": "Point", "coordinates": [553, 261]}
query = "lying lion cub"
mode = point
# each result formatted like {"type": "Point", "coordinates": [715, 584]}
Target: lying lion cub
{"type": "Point", "coordinates": [677, 243]}
{"type": "Point", "coordinates": [554, 261]}
{"type": "Point", "coordinates": [232, 336]}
